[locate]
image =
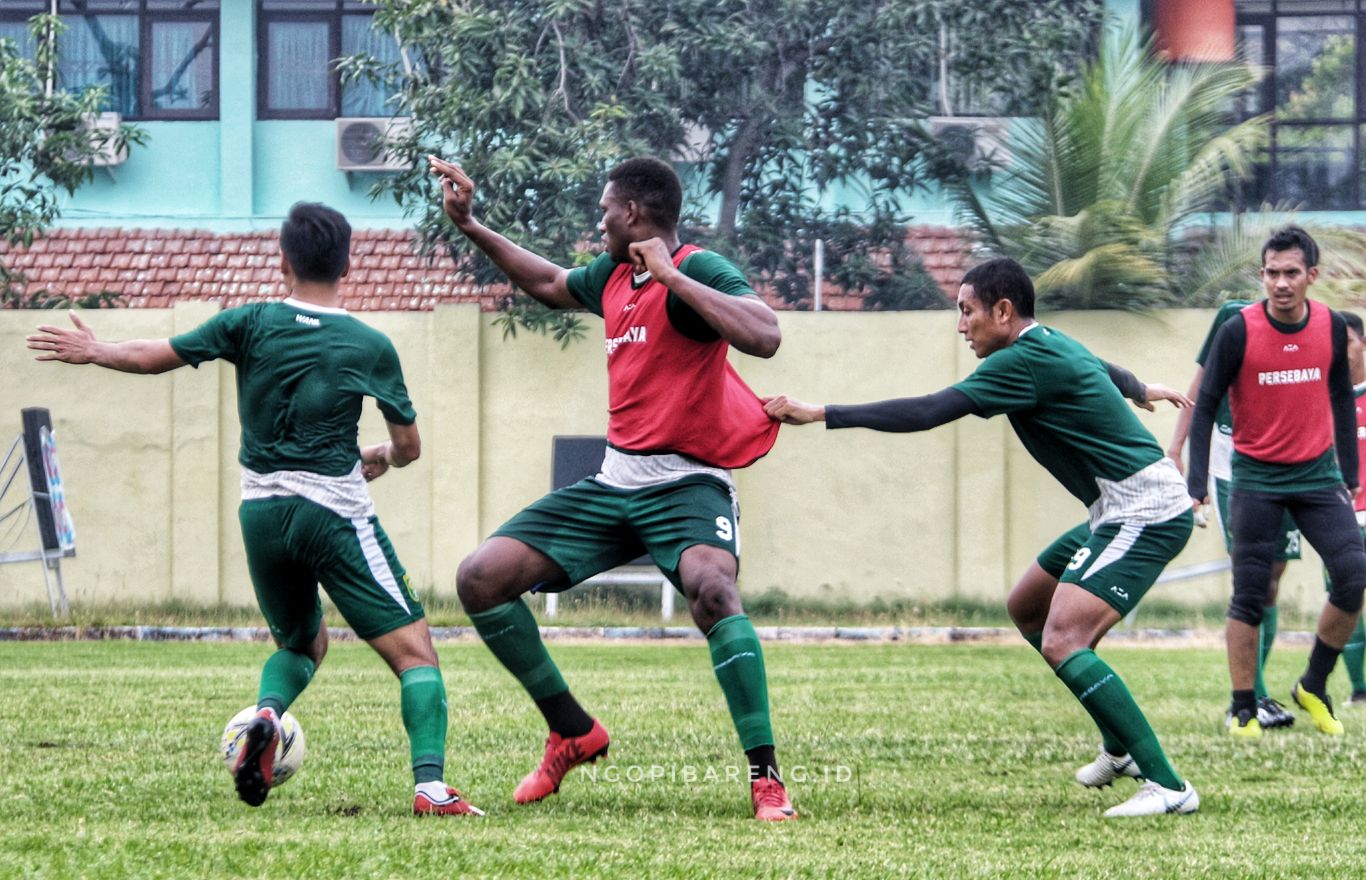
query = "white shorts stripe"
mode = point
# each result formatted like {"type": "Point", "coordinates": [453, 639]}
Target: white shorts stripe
{"type": "Point", "coordinates": [1122, 543]}
{"type": "Point", "coordinates": [379, 566]}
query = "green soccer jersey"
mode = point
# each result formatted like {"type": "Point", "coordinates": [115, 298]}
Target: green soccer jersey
{"type": "Point", "coordinates": [586, 284]}
{"type": "Point", "coordinates": [302, 372]}
{"type": "Point", "coordinates": [1223, 417]}
{"type": "Point", "coordinates": [1067, 412]}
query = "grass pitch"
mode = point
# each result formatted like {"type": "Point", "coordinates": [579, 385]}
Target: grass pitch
{"type": "Point", "coordinates": [904, 761]}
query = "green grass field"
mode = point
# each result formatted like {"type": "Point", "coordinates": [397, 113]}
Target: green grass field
{"type": "Point", "coordinates": [904, 760]}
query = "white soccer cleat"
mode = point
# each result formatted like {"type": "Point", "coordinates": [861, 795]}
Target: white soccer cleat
{"type": "Point", "coordinates": [1154, 800]}
{"type": "Point", "coordinates": [1105, 769]}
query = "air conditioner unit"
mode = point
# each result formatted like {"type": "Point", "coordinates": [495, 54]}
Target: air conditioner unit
{"type": "Point", "coordinates": [980, 140]}
{"type": "Point", "coordinates": [364, 143]}
{"type": "Point", "coordinates": [104, 129]}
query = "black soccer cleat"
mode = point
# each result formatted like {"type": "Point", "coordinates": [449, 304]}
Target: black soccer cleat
{"type": "Point", "coordinates": [255, 768]}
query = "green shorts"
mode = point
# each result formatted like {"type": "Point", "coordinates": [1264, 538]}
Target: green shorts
{"type": "Point", "coordinates": [294, 544]}
{"type": "Point", "coordinates": [589, 527]}
{"type": "Point", "coordinates": [1289, 547]}
{"type": "Point", "coordinates": [1118, 561]}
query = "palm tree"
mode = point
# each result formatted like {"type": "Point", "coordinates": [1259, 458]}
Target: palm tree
{"type": "Point", "coordinates": [1118, 195]}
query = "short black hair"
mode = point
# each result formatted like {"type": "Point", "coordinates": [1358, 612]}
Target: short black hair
{"type": "Point", "coordinates": [316, 240]}
{"type": "Point", "coordinates": [1002, 278]}
{"type": "Point", "coordinates": [651, 183]}
{"type": "Point", "coordinates": [1354, 321]}
{"type": "Point", "coordinates": [1289, 238]}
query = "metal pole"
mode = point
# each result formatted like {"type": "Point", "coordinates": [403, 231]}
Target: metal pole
{"type": "Point", "coordinates": [819, 272]}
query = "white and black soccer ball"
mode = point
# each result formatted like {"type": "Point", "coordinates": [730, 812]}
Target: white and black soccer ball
{"type": "Point", "coordinates": [289, 755]}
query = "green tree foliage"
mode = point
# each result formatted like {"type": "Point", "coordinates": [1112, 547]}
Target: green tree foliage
{"type": "Point", "coordinates": [45, 145]}
{"type": "Point", "coordinates": [1118, 197]}
{"type": "Point", "coordinates": [768, 107]}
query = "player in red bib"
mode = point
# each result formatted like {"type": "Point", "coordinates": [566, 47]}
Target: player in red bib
{"type": "Point", "coordinates": [679, 419]}
{"type": "Point", "coordinates": [1284, 364]}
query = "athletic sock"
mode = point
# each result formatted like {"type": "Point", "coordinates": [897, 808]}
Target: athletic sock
{"type": "Point", "coordinates": [1266, 637]}
{"type": "Point", "coordinates": [511, 633]}
{"type": "Point", "coordinates": [763, 764]}
{"type": "Point", "coordinates": [739, 665]}
{"type": "Point", "coordinates": [1244, 700]}
{"type": "Point", "coordinates": [1322, 659]}
{"type": "Point", "coordinates": [1108, 740]}
{"type": "Point", "coordinates": [423, 698]}
{"type": "Point", "coordinates": [1353, 655]}
{"type": "Point", "coordinates": [1101, 691]}
{"type": "Point", "coordinates": [283, 678]}
{"type": "Point", "coordinates": [564, 715]}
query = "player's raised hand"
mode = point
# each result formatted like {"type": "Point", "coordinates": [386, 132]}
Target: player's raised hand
{"type": "Point", "coordinates": [63, 343]}
{"type": "Point", "coordinates": [1162, 392]}
{"type": "Point", "coordinates": [791, 411]}
{"type": "Point", "coordinates": [457, 190]}
{"type": "Point", "coordinates": [651, 255]}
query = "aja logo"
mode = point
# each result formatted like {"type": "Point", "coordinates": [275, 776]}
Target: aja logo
{"type": "Point", "coordinates": [308, 320]}
{"type": "Point", "coordinates": [1290, 347]}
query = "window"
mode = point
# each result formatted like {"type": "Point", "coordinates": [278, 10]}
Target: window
{"type": "Point", "coordinates": [156, 59]}
{"type": "Point", "coordinates": [1313, 50]}
{"type": "Point", "coordinates": [299, 40]}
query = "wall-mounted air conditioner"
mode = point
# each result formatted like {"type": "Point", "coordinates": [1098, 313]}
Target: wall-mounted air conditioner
{"type": "Point", "coordinates": [103, 129]}
{"type": "Point", "coordinates": [363, 143]}
{"type": "Point", "coordinates": [979, 139]}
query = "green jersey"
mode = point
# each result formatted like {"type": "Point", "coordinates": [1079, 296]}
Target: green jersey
{"type": "Point", "coordinates": [1072, 419]}
{"type": "Point", "coordinates": [302, 372]}
{"type": "Point", "coordinates": [1223, 417]}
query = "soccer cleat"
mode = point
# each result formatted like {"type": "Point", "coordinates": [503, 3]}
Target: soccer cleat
{"type": "Point", "coordinates": [1320, 709]}
{"type": "Point", "coordinates": [255, 768]}
{"type": "Point", "coordinates": [1272, 714]}
{"type": "Point", "coordinates": [1244, 724]}
{"type": "Point", "coordinates": [1357, 698]}
{"type": "Point", "coordinates": [770, 801]}
{"type": "Point", "coordinates": [562, 754]}
{"type": "Point", "coordinates": [1152, 799]}
{"type": "Point", "coordinates": [452, 805]}
{"type": "Point", "coordinates": [1106, 768]}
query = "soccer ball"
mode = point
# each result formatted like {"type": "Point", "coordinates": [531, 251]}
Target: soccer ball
{"type": "Point", "coordinates": [289, 755]}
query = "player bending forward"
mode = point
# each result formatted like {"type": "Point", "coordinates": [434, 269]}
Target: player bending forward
{"type": "Point", "coordinates": [1065, 407]}
{"type": "Point", "coordinates": [304, 367]}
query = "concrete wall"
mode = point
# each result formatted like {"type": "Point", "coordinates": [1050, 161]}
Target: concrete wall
{"type": "Point", "coordinates": [150, 468]}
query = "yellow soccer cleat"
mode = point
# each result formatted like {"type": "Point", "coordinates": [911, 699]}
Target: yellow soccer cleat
{"type": "Point", "coordinates": [1244, 725]}
{"type": "Point", "coordinates": [1320, 709]}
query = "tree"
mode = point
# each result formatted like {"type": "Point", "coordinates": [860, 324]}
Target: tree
{"type": "Point", "coordinates": [1119, 197]}
{"type": "Point", "coordinates": [46, 144]}
{"type": "Point", "coordinates": [769, 106]}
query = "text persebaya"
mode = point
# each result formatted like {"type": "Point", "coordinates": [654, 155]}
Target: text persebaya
{"type": "Point", "coordinates": [1289, 377]}
{"type": "Point", "coordinates": [633, 334]}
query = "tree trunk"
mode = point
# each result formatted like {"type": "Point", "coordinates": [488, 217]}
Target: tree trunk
{"type": "Point", "coordinates": [737, 157]}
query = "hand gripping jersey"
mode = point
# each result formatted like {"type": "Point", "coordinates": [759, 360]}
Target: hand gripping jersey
{"type": "Point", "coordinates": [668, 392]}
{"type": "Point", "coordinates": [1280, 400]}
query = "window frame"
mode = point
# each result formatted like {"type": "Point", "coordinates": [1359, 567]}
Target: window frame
{"type": "Point", "coordinates": [332, 16]}
{"type": "Point", "coordinates": [145, 18]}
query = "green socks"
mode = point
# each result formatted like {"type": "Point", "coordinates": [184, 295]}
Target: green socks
{"type": "Point", "coordinates": [283, 678]}
{"type": "Point", "coordinates": [1108, 740]}
{"type": "Point", "coordinates": [1104, 696]}
{"type": "Point", "coordinates": [739, 666]}
{"type": "Point", "coordinates": [1266, 637]}
{"type": "Point", "coordinates": [1352, 655]}
{"type": "Point", "coordinates": [512, 635]}
{"type": "Point", "coordinates": [423, 698]}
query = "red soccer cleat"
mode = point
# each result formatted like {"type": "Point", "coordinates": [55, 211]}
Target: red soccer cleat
{"type": "Point", "coordinates": [255, 768]}
{"type": "Point", "coordinates": [453, 805]}
{"type": "Point", "coordinates": [770, 801]}
{"type": "Point", "coordinates": [561, 755]}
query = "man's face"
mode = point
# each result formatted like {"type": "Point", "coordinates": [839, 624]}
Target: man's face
{"type": "Point", "coordinates": [1287, 280]}
{"type": "Point", "coordinates": [986, 330]}
{"type": "Point", "coordinates": [615, 225]}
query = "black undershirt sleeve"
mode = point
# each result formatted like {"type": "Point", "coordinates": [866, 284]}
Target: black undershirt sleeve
{"type": "Point", "coordinates": [903, 414]}
{"type": "Point", "coordinates": [1127, 383]}
{"type": "Point", "coordinates": [1221, 368]}
{"type": "Point", "coordinates": [1344, 404]}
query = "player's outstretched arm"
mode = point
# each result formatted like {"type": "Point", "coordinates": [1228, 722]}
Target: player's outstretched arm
{"type": "Point", "coordinates": [746, 322]}
{"type": "Point", "coordinates": [79, 346]}
{"type": "Point", "coordinates": [539, 277]}
{"type": "Point", "coordinates": [791, 411]}
{"type": "Point", "coordinates": [900, 416]}
{"type": "Point", "coordinates": [403, 447]}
